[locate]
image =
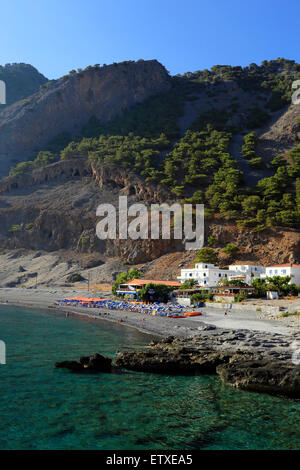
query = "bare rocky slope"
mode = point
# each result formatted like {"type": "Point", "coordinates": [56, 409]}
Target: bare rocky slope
{"type": "Point", "coordinates": [280, 134]}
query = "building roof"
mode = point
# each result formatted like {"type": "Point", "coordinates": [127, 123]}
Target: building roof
{"type": "Point", "coordinates": [287, 265]}
{"type": "Point", "coordinates": [143, 282]}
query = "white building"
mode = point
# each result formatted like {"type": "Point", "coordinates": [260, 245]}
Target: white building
{"type": "Point", "coordinates": [206, 275]}
{"type": "Point", "coordinates": [292, 270]}
{"type": "Point", "coordinates": [246, 272]}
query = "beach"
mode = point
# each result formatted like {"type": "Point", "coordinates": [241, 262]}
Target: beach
{"type": "Point", "coordinates": [44, 298]}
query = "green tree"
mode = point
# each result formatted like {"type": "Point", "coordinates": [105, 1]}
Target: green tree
{"type": "Point", "coordinates": [260, 287]}
{"type": "Point", "coordinates": [251, 204]}
{"type": "Point", "coordinates": [161, 292]}
{"type": "Point", "coordinates": [281, 284]}
{"type": "Point", "coordinates": [230, 249]}
{"type": "Point", "coordinates": [206, 255]}
{"type": "Point", "coordinates": [188, 284]}
{"type": "Point", "coordinates": [211, 240]}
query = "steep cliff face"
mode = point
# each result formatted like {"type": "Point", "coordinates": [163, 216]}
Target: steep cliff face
{"type": "Point", "coordinates": [67, 104]}
{"type": "Point", "coordinates": [54, 208]}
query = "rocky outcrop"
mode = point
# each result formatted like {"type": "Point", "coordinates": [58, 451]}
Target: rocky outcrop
{"type": "Point", "coordinates": [93, 363]}
{"type": "Point", "coordinates": [247, 360]}
{"type": "Point", "coordinates": [276, 378]}
{"type": "Point", "coordinates": [128, 183]}
{"type": "Point", "coordinates": [176, 361]}
{"type": "Point", "coordinates": [67, 104]}
{"type": "Point", "coordinates": [251, 361]}
{"type": "Point", "coordinates": [62, 169]}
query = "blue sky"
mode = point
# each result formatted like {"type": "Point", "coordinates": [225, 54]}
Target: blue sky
{"type": "Point", "coordinates": [185, 35]}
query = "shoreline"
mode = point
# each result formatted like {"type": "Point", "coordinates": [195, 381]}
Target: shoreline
{"type": "Point", "coordinates": [244, 358]}
{"type": "Point", "coordinates": [44, 298]}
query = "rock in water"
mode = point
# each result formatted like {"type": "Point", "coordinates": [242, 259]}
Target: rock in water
{"type": "Point", "coordinates": [95, 362]}
{"type": "Point", "coordinates": [277, 378]}
{"type": "Point", "coordinates": [175, 360]}
{"type": "Point", "coordinates": [99, 363]}
{"type": "Point", "coordinates": [71, 365]}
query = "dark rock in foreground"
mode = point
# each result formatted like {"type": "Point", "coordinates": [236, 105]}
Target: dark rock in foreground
{"type": "Point", "coordinates": [94, 363]}
{"type": "Point", "coordinates": [71, 365]}
{"type": "Point", "coordinates": [243, 359]}
{"type": "Point", "coordinates": [178, 361]}
{"type": "Point", "coordinates": [275, 378]}
{"type": "Point", "coordinates": [266, 369]}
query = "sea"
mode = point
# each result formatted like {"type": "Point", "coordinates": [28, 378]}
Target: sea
{"type": "Point", "coordinates": [54, 409]}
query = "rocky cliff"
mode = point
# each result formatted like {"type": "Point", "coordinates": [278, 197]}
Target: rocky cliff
{"type": "Point", "coordinates": [67, 104]}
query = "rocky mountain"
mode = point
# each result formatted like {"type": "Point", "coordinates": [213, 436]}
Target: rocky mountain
{"type": "Point", "coordinates": [65, 105]}
{"type": "Point", "coordinates": [227, 138]}
{"type": "Point", "coordinates": [22, 80]}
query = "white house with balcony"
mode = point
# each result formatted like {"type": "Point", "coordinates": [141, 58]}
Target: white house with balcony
{"type": "Point", "coordinates": [205, 275]}
{"type": "Point", "coordinates": [292, 270]}
{"type": "Point", "coordinates": [208, 275]}
{"type": "Point", "coordinates": [247, 272]}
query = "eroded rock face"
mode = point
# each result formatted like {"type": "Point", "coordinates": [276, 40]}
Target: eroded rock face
{"type": "Point", "coordinates": [276, 378]}
{"type": "Point", "coordinates": [67, 104]}
{"type": "Point", "coordinates": [54, 171]}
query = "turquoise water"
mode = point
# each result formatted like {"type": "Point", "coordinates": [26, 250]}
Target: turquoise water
{"type": "Point", "coordinates": [46, 408]}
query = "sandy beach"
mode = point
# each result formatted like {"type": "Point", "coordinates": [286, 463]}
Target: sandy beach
{"type": "Point", "coordinates": [44, 298]}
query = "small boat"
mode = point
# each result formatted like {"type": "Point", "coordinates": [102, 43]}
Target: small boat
{"type": "Point", "coordinates": [192, 314]}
